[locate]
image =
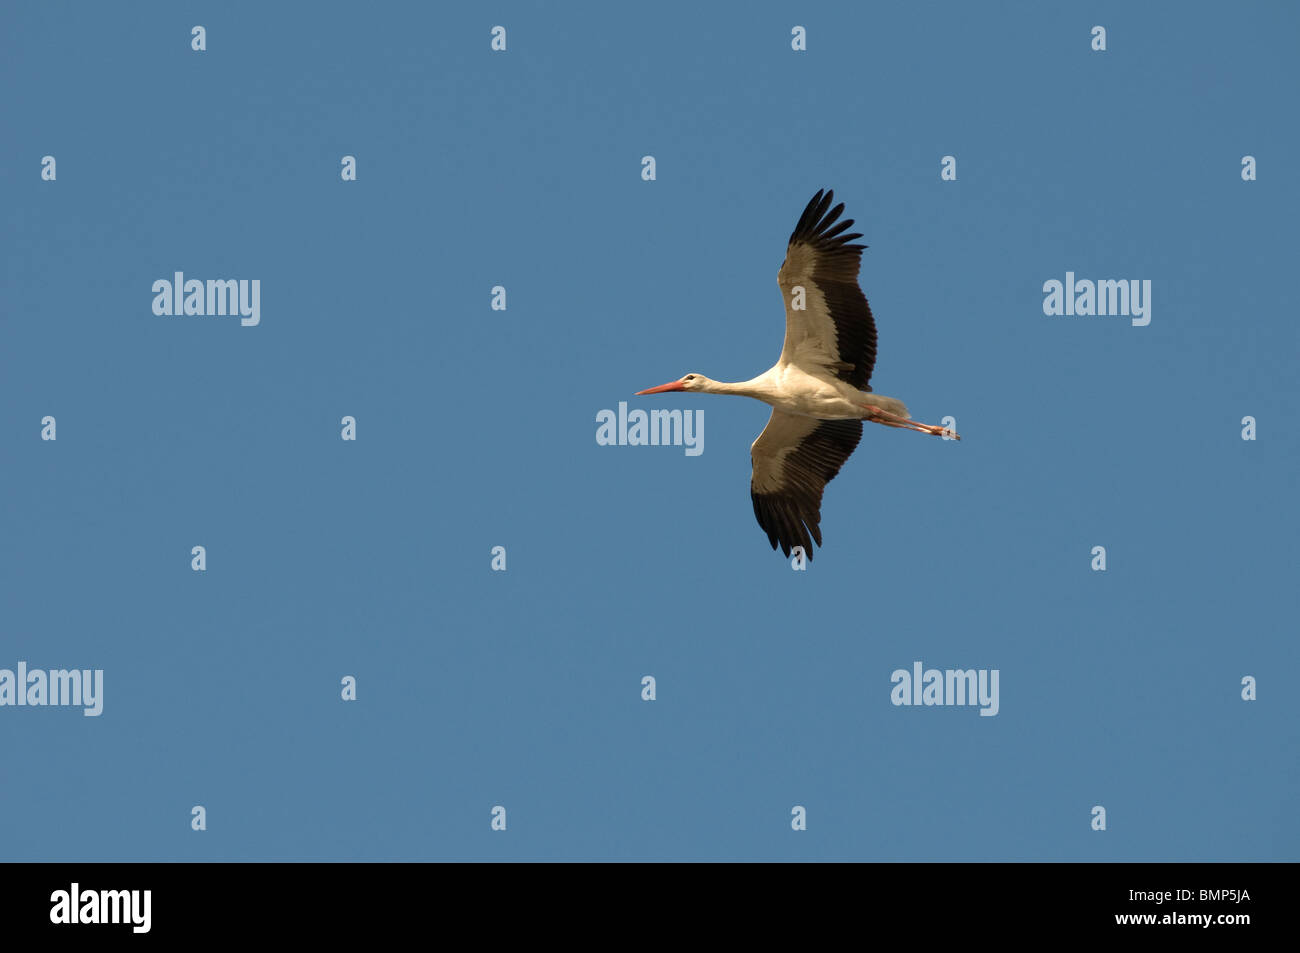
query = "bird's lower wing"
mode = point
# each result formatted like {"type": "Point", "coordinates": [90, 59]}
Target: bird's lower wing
{"type": "Point", "coordinates": [794, 458]}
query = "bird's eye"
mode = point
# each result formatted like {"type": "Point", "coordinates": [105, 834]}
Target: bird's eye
{"type": "Point", "coordinates": [689, 377]}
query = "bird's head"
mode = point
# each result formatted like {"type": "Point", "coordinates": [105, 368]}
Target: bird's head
{"type": "Point", "coordinates": [692, 382]}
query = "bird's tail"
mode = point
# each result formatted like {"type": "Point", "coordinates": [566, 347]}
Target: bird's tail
{"type": "Point", "coordinates": [890, 405]}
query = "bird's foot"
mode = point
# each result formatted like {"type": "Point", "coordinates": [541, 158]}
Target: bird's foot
{"type": "Point", "coordinates": [938, 431]}
{"type": "Point", "coordinates": [874, 413]}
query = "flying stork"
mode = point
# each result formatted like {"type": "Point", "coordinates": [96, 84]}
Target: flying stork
{"type": "Point", "coordinates": [818, 389]}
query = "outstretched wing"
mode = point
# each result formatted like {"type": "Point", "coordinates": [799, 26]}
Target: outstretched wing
{"type": "Point", "coordinates": [834, 329]}
{"type": "Point", "coordinates": [794, 458]}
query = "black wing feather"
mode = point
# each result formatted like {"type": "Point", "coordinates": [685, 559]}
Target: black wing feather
{"type": "Point", "coordinates": [838, 262]}
{"type": "Point", "coordinates": [789, 512]}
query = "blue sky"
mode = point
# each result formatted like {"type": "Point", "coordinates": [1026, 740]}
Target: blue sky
{"type": "Point", "coordinates": [476, 428]}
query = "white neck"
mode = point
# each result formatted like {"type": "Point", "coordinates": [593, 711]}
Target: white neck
{"type": "Point", "coordinates": [755, 387]}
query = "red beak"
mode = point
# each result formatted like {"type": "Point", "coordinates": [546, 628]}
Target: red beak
{"type": "Point", "coordinates": [661, 389]}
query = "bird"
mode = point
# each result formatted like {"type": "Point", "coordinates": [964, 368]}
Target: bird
{"type": "Point", "coordinates": [819, 389]}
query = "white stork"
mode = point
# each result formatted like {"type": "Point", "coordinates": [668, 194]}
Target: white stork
{"type": "Point", "coordinates": [818, 389]}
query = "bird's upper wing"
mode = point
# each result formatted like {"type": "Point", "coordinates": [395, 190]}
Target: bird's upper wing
{"type": "Point", "coordinates": [794, 458]}
{"type": "Point", "coordinates": [834, 329]}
